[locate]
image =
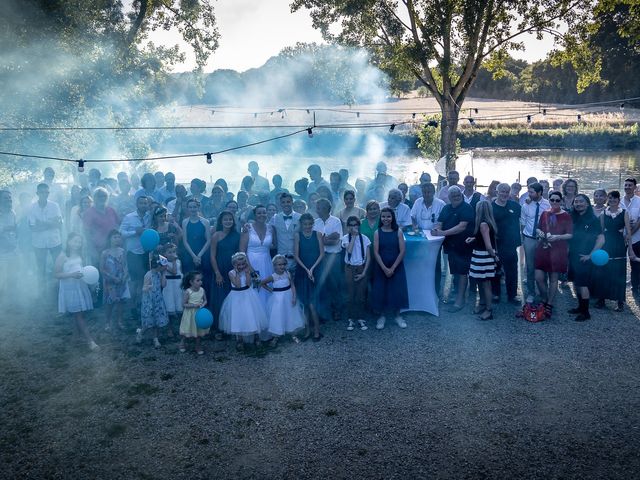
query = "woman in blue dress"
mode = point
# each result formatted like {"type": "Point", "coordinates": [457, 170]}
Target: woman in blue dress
{"type": "Point", "coordinates": [196, 236]}
{"type": "Point", "coordinates": [308, 253]}
{"type": "Point", "coordinates": [389, 292]}
{"type": "Point", "coordinates": [224, 243]}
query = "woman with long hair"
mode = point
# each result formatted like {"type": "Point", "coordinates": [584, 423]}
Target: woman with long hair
{"type": "Point", "coordinates": [224, 243]}
{"type": "Point", "coordinates": [484, 256]}
{"type": "Point", "coordinates": [555, 229]}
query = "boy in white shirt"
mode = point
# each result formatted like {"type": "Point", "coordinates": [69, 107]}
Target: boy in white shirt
{"type": "Point", "coordinates": [356, 259]}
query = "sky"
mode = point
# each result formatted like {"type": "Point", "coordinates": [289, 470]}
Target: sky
{"type": "Point", "coordinates": [253, 31]}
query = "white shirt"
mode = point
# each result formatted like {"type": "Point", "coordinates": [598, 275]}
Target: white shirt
{"type": "Point", "coordinates": [633, 207]}
{"type": "Point", "coordinates": [313, 186]}
{"type": "Point", "coordinates": [260, 184]}
{"type": "Point", "coordinates": [427, 217]}
{"type": "Point", "coordinates": [333, 224]}
{"type": "Point", "coordinates": [50, 237]}
{"type": "Point", "coordinates": [528, 214]}
{"type": "Point", "coordinates": [357, 255]}
{"type": "Point", "coordinates": [470, 197]}
{"type": "Point", "coordinates": [402, 211]}
{"type": "Point", "coordinates": [128, 227]}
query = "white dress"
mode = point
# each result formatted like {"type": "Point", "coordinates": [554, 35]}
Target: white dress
{"type": "Point", "coordinates": [242, 312]}
{"type": "Point", "coordinates": [283, 316]}
{"type": "Point", "coordinates": [172, 292]}
{"type": "Point", "coordinates": [73, 293]}
{"type": "Point", "coordinates": [259, 256]}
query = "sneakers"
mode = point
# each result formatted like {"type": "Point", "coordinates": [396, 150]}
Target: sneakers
{"type": "Point", "coordinates": [156, 343]}
{"type": "Point", "coordinates": [138, 335]}
{"type": "Point", "coordinates": [362, 324]}
{"type": "Point", "coordinates": [380, 323]}
{"type": "Point", "coordinates": [351, 325]}
{"type": "Point", "coordinates": [401, 323]}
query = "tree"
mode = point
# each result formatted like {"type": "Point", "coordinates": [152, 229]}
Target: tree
{"type": "Point", "coordinates": [442, 43]}
{"type": "Point", "coordinates": [605, 50]}
{"type": "Point", "coordinates": [79, 63]}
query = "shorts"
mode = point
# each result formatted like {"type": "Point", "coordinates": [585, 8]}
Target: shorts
{"type": "Point", "coordinates": [459, 262]}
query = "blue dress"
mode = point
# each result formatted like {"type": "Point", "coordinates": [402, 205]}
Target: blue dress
{"type": "Point", "coordinates": [389, 294]}
{"type": "Point", "coordinates": [225, 249]}
{"type": "Point", "coordinates": [153, 311]}
{"type": "Point", "coordinates": [309, 251]}
{"type": "Point", "coordinates": [196, 238]}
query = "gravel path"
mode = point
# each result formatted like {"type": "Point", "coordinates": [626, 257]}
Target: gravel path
{"type": "Point", "coordinates": [449, 397]}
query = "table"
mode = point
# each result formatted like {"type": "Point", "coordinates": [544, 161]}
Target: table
{"type": "Point", "coordinates": [420, 266]}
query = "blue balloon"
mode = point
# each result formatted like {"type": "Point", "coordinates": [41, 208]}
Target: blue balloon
{"type": "Point", "coordinates": [204, 318]}
{"type": "Point", "coordinates": [149, 239]}
{"type": "Point", "coordinates": [600, 258]}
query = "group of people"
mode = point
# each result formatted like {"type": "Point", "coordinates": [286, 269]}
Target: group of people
{"type": "Point", "coordinates": [269, 263]}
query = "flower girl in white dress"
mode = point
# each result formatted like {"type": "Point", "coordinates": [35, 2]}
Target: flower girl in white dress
{"type": "Point", "coordinates": [283, 312]}
{"type": "Point", "coordinates": [242, 313]}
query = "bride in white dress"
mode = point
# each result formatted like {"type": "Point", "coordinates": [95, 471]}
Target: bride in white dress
{"type": "Point", "coordinates": [256, 241]}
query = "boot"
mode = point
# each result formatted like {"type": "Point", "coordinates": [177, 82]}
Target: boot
{"type": "Point", "coordinates": [576, 309]}
{"type": "Point", "coordinates": [584, 311]}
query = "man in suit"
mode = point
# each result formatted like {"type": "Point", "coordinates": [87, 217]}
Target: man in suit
{"type": "Point", "coordinates": [286, 224]}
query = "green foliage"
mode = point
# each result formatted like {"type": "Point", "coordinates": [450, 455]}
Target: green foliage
{"type": "Point", "coordinates": [429, 138]}
{"type": "Point", "coordinates": [578, 136]}
{"type": "Point", "coordinates": [71, 63]}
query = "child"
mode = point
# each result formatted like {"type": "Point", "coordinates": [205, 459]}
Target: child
{"type": "Point", "coordinates": [389, 291]}
{"type": "Point", "coordinates": [193, 298]}
{"type": "Point", "coordinates": [308, 248]}
{"type": "Point", "coordinates": [73, 295]}
{"type": "Point", "coordinates": [356, 259]}
{"type": "Point", "coordinates": [242, 313]}
{"type": "Point", "coordinates": [115, 276]}
{"type": "Point", "coordinates": [153, 311]}
{"type": "Point", "coordinates": [283, 313]}
{"type": "Point", "coordinates": [172, 292]}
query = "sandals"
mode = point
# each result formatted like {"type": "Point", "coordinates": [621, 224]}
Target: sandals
{"type": "Point", "coordinates": [488, 317]}
{"type": "Point", "coordinates": [479, 309]}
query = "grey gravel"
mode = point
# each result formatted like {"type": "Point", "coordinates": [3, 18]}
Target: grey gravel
{"type": "Point", "coordinates": [448, 397]}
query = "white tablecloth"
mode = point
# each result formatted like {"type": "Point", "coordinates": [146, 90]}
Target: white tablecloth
{"type": "Point", "coordinates": [420, 266]}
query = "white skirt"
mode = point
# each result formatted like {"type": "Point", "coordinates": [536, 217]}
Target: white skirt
{"type": "Point", "coordinates": [172, 294]}
{"type": "Point", "coordinates": [242, 313]}
{"type": "Point", "coordinates": [284, 317]}
{"type": "Point", "coordinates": [74, 296]}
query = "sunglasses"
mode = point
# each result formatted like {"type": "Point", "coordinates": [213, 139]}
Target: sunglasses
{"type": "Point", "coordinates": [555, 200]}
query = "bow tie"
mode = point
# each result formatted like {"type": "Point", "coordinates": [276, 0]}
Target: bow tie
{"type": "Point", "coordinates": [287, 217]}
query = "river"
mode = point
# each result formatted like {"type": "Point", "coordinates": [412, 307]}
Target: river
{"type": "Point", "coordinates": [592, 169]}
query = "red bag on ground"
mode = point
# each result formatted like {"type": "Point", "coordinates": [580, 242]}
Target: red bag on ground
{"type": "Point", "coordinates": [533, 312]}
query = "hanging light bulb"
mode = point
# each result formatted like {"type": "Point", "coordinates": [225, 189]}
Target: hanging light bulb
{"type": "Point", "coordinates": [528, 118]}
{"type": "Point", "coordinates": [392, 128]}
{"type": "Point", "coordinates": [622, 106]}
{"type": "Point", "coordinates": [358, 114]}
{"type": "Point", "coordinates": [475, 110]}
{"type": "Point", "coordinates": [308, 111]}
{"type": "Point", "coordinates": [472, 121]}
{"type": "Point", "coordinates": [579, 118]}
{"type": "Point", "coordinates": [209, 159]}
{"type": "Point", "coordinates": [544, 112]}
{"type": "Point", "coordinates": [310, 132]}
{"type": "Point", "coordinates": [81, 165]}
{"type": "Point", "coordinates": [413, 115]}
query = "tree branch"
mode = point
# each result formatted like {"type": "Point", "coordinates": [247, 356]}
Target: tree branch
{"type": "Point", "coordinates": [137, 23]}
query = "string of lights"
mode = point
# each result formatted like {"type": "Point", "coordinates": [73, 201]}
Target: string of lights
{"type": "Point", "coordinates": [208, 155]}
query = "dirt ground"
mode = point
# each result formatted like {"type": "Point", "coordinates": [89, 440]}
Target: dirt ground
{"type": "Point", "coordinates": [448, 397]}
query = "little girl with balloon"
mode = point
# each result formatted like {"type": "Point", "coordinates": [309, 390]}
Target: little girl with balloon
{"type": "Point", "coordinates": [153, 311]}
{"type": "Point", "coordinates": [73, 295]}
{"type": "Point", "coordinates": [194, 301]}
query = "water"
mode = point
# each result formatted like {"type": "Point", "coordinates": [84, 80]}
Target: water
{"type": "Point", "coordinates": [592, 169]}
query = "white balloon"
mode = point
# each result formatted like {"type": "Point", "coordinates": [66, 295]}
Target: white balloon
{"type": "Point", "coordinates": [90, 275]}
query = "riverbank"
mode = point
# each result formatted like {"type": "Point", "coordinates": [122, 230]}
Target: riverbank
{"type": "Point", "coordinates": [578, 136]}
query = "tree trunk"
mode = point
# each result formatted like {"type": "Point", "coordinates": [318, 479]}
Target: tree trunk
{"type": "Point", "coordinates": [449, 132]}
